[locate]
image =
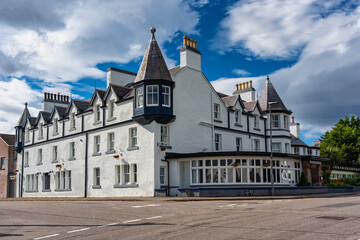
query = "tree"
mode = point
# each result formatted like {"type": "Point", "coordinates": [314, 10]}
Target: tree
{"type": "Point", "coordinates": [342, 143]}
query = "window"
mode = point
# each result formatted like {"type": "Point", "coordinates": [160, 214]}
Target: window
{"type": "Point", "coordinates": [152, 95]}
{"type": "Point", "coordinates": [304, 151]}
{"type": "Point", "coordinates": [162, 175]}
{"type": "Point", "coordinates": [26, 160]}
{"type": "Point", "coordinates": [275, 121]}
{"type": "Point", "coordinates": [287, 148]}
{"type": "Point", "coordinates": [27, 135]}
{"type": "Point", "coordinates": [256, 145]}
{"type": "Point", "coordinates": [96, 176]}
{"type": "Point", "coordinates": [286, 122]}
{"type": "Point", "coordinates": [217, 142]}
{"type": "Point", "coordinates": [216, 111]}
{"type": "Point", "coordinates": [238, 144]}
{"type": "Point", "coordinates": [97, 113]}
{"type": "Point", "coordinates": [72, 150]}
{"type": "Point", "coordinates": [39, 156]}
{"type": "Point", "coordinates": [256, 121]}
{"type": "Point", "coordinates": [41, 131]}
{"type": "Point", "coordinates": [56, 127]}
{"type": "Point", "coordinates": [139, 97]}
{"type": "Point", "coordinates": [133, 137]}
{"type": "Point", "coordinates": [166, 96]}
{"type": "Point", "coordinates": [309, 152]}
{"type": "Point", "coordinates": [97, 144]}
{"type": "Point", "coordinates": [55, 153]}
{"type": "Point", "coordinates": [63, 180]}
{"type": "Point", "coordinates": [46, 181]}
{"type": "Point", "coordinates": [126, 173]}
{"type": "Point", "coordinates": [117, 174]}
{"type": "Point", "coordinates": [276, 147]}
{"type": "Point", "coordinates": [111, 141]}
{"type": "Point", "coordinates": [2, 163]}
{"type": "Point", "coordinates": [164, 134]}
{"type": "Point", "coordinates": [111, 108]}
{"type": "Point", "coordinates": [237, 117]}
{"type": "Point", "coordinates": [134, 173]}
{"type": "Point", "coordinates": [72, 121]}
{"type": "Point", "coordinates": [31, 182]}
{"type": "Point", "coordinates": [296, 150]}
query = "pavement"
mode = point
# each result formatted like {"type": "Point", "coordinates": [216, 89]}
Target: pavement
{"type": "Point", "coordinates": [178, 199]}
{"type": "Point", "coordinates": [336, 217]}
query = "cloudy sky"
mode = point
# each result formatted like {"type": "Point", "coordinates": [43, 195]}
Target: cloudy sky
{"type": "Point", "coordinates": [309, 48]}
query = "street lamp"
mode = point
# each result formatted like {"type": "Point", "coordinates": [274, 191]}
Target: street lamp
{"type": "Point", "coordinates": [271, 154]}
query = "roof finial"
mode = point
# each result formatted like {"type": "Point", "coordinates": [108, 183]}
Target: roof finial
{"type": "Point", "coordinates": [26, 105]}
{"type": "Point", "coordinates": [267, 78]}
{"type": "Point", "coordinates": [153, 30]}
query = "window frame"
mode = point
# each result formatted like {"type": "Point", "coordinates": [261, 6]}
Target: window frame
{"type": "Point", "coordinates": [162, 176]}
{"type": "Point", "coordinates": [237, 117]}
{"type": "Point", "coordinates": [217, 142]}
{"type": "Point", "coordinates": [166, 135]}
{"type": "Point", "coordinates": [40, 155]}
{"type": "Point", "coordinates": [55, 153]}
{"type": "Point", "coordinates": [97, 177]}
{"type": "Point", "coordinates": [152, 93]}
{"type": "Point", "coordinates": [111, 141]}
{"type": "Point", "coordinates": [72, 120]}
{"type": "Point", "coordinates": [256, 121]}
{"type": "Point", "coordinates": [276, 144]}
{"type": "Point", "coordinates": [111, 108]}
{"type": "Point", "coordinates": [97, 146]}
{"type": "Point", "coordinates": [97, 114]}
{"type": "Point", "coordinates": [3, 163]}
{"type": "Point", "coordinates": [166, 95]}
{"type": "Point", "coordinates": [257, 145]}
{"type": "Point", "coordinates": [138, 95]}
{"type": "Point", "coordinates": [217, 114]}
{"type": "Point", "coordinates": [72, 150]}
{"type": "Point", "coordinates": [274, 122]}
{"type": "Point", "coordinates": [238, 142]}
{"type": "Point", "coordinates": [133, 138]}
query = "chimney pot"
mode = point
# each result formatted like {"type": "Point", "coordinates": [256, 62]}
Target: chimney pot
{"type": "Point", "coordinates": [292, 119]}
{"type": "Point", "coordinates": [247, 85]}
{"type": "Point", "coordinates": [250, 83]}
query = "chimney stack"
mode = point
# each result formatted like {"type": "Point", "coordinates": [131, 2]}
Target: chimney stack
{"type": "Point", "coordinates": [246, 91]}
{"type": "Point", "coordinates": [294, 128]}
{"type": "Point", "coordinates": [190, 56]}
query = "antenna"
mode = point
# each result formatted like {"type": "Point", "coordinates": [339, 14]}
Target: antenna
{"type": "Point", "coordinates": [95, 84]}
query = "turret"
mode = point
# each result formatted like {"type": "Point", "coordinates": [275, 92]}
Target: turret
{"type": "Point", "coordinates": [20, 129]}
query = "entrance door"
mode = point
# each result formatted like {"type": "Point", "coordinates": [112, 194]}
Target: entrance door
{"type": "Point", "coordinates": [184, 174]}
{"type": "Point", "coordinates": [11, 188]}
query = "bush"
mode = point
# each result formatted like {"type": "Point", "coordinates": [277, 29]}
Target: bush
{"type": "Point", "coordinates": [303, 180]}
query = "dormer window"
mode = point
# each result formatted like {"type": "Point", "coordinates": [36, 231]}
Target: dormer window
{"type": "Point", "coordinates": [275, 121]}
{"type": "Point", "coordinates": [140, 97]}
{"type": "Point", "coordinates": [56, 126]}
{"type": "Point", "coordinates": [286, 122]}
{"type": "Point", "coordinates": [27, 135]}
{"type": "Point", "coordinates": [217, 111]}
{"type": "Point", "coordinates": [72, 121]}
{"type": "Point", "coordinates": [256, 121]}
{"type": "Point", "coordinates": [166, 96]}
{"type": "Point", "coordinates": [111, 109]}
{"type": "Point", "coordinates": [97, 113]}
{"type": "Point", "coordinates": [237, 117]}
{"type": "Point", "coordinates": [152, 95]}
{"type": "Point", "coordinates": [41, 131]}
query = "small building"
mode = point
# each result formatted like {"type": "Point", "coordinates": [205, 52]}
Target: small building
{"type": "Point", "coordinates": [345, 171]}
{"type": "Point", "coordinates": [8, 166]}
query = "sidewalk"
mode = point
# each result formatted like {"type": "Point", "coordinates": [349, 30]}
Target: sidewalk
{"type": "Point", "coordinates": [179, 199]}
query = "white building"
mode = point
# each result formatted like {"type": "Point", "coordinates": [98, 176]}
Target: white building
{"type": "Point", "coordinates": [159, 131]}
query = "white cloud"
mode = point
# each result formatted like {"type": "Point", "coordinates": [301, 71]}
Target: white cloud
{"type": "Point", "coordinates": [241, 72]}
{"type": "Point", "coordinates": [322, 86]}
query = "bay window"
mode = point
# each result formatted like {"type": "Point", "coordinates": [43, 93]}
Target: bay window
{"type": "Point", "coordinates": [152, 93]}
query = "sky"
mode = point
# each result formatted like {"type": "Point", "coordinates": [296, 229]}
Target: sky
{"type": "Point", "coordinates": [310, 50]}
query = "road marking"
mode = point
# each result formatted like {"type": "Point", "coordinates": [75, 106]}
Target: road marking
{"type": "Point", "coordinates": [137, 206]}
{"type": "Point", "coordinates": [48, 236]}
{"type": "Point", "coordinates": [154, 217]}
{"type": "Point", "coordinates": [134, 220]}
{"type": "Point", "coordinates": [78, 230]}
{"type": "Point", "coordinates": [152, 205]}
{"type": "Point", "coordinates": [112, 224]}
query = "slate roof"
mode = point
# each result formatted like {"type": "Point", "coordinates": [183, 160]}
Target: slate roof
{"type": "Point", "coordinates": [24, 117]}
{"type": "Point", "coordinates": [153, 66]}
{"type": "Point", "coordinates": [297, 142]}
{"type": "Point", "coordinates": [81, 105]}
{"type": "Point", "coordinates": [222, 95]}
{"type": "Point", "coordinates": [101, 93]}
{"type": "Point", "coordinates": [269, 94]}
{"type": "Point", "coordinates": [120, 91]}
{"type": "Point", "coordinates": [175, 70]}
{"type": "Point", "coordinates": [61, 111]}
{"type": "Point", "coordinates": [46, 115]}
{"type": "Point", "coordinates": [32, 121]}
{"type": "Point", "coordinates": [230, 101]}
{"type": "Point", "coordinates": [250, 106]}
{"type": "Point", "coordinates": [9, 139]}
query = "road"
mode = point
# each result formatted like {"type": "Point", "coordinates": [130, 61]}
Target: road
{"type": "Point", "coordinates": [315, 218]}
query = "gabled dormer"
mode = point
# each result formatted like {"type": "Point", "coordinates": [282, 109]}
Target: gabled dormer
{"type": "Point", "coordinates": [20, 129]}
{"type": "Point", "coordinates": [153, 86]}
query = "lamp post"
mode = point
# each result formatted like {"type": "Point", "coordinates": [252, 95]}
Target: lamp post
{"type": "Point", "coordinates": [271, 154]}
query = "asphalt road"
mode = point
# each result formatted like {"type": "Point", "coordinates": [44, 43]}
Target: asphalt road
{"type": "Point", "coordinates": [316, 218]}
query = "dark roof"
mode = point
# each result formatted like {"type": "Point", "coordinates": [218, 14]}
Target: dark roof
{"type": "Point", "coordinates": [9, 139]}
{"type": "Point", "coordinates": [120, 70]}
{"type": "Point", "coordinates": [46, 116]}
{"type": "Point", "coordinates": [61, 111]}
{"type": "Point", "coordinates": [250, 106]}
{"type": "Point", "coordinates": [297, 142]}
{"type": "Point", "coordinates": [101, 93]}
{"type": "Point", "coordinates": [175, 70]}
{"type": "Point", "coordinates": [24, 117]}
{"type": "Point", "coordinates": [230, 101]}
{"type": "Point", "coordinates": [81, 105]}
{"type": "Point", "coordinates": [120, 91]}
{"type": "Point", "coordinates": [32, 121]}
{"type": "Point", "coordinates": [221, 95]}
{"type": "Point", "coordinates": [269, 94]}
{"type": "Point", "coordinates": [153, 66]}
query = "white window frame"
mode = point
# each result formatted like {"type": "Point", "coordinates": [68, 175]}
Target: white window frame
{"type": "Point", "coordinates": [166, 95]}
{"type": "Point", "coordinates": [309, 151]}
{"type": "Point", "coordinates": [97, 144]}
{"type": "Point", "coordinates": [237, 117]}
{"type": "Point", "coordinates": [286, 122]}
{"type": "Point", "coordinates": [297, 150]}
{"type": "Point", "coordinates": [111, 108]}
{"type": "Point", "coordinates": [217, 114]}
{"type": "Point", "coordinates": [3, 163]}
{"type": "Point", "coordinates": [40, 155]}
{"type": "Point", "coordinates": [72, 121]}
{"type": "Point", "coordinates": [97, 117]}
{"type": "Point", "coordinates": [162, 175]}
{"type": "Point", "coordinates": [56, 126]}
{"type": "Point", "coordinates": [256, 121]}
{"type": "Point", "coordinates": [152, 93]}
{"type": "Point", "coordinates": [276, 144]}
{"type": "Point", "coordinates": [118, 174]}
{"type": "Point", "coordinates": [55, 153]}
{"type": "Point", "coordinates": [97, 176]}
{"type": "Point", "coordinates": [140, 97]}
{"type": "Point", "coordinates": [26, 159]}
{"type": "Point", "coordinates": [41, 131]}
{"type": "Point", "coordinates": [238, 142]}
{"type": "Point", "coordinates": [134, 175]}
{"type": "Point", "coordinates": [287, 148]}
{"type": "Point", "coordinates": [164, 134]}
{"type": "Point", "coordinates": [133, 137]}
{"type": "Point", "coordinates": [44, 181]}
{"type": "Point", "coordinates": [275, 122]}
{"type": "Point", "coordinates": [126, 174]}
{"type": "Point", "coordinates": [27, 134]}
{"type": "Point", "coordinates": [111, 141]}
{"type": "Point", "coordinates": [72, 150]}
{"type": "Point", "coordinates": [257, 145]}
{"type": "Point", "coordinates": [217, 142]}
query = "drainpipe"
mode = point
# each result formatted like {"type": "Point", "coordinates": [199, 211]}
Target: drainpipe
{"type": "Point", "coordinates": [212, 122]}
{"type": "Point", "coordinates": [168, 177]}
{"type": "Point", "coordinates": [22, 165]}
{"type": "Point", "coordinates": [86, 164]}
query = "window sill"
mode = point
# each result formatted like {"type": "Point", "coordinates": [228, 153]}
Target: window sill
{"type": "Point", "coordinates": [133, 185]}
{"type": "Point", "coordinates": [96, 186]}
{"type": "Point", "coordinates": [46, 190]}
{"type": "Point", "coordinates": [40, 138]}
{"type": "Point", "coordinates": [72, 129]}
{"type": "Point", "coordinates": [26, 165]}
{"type": "Point", "coordinates": [40, 163]}
{"type": "Point", "coordinates": [72, 159]}
{"type": "Point", "coordinates": [55, 134]}
{"type": "Point", "coordinates": [218, 121]}
{"type": "Point", "coordinates": [31, 191]}
{"type": "Point", "coordinates": [54, 161]}
{"type": "Point", "coordinates": [132, 148]}
{"type": "Point", "coordinates": [110, 152]}
{"type": "Point", "coordinates": [257, 129]}
{"type": "Point", "coordinates": [63, 190]}
{"type": "Point", "coordinates": [96, 154]}
{"type": "Point", "coordinates": [97, 123]}
{"type": "Point", "coordinates": [238, 125]}
{"type": "Point", "coordinates": [165, 146]}
{"type": "Point", "coordinates": [111, 119]}
{"type": "Point", "coordinates": [27, 141]}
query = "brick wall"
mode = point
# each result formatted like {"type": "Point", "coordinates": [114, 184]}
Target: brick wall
{"type": "Point", "coordinates": [4, 152]}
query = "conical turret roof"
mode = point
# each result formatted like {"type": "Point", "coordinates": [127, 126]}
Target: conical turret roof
{"type": "Point", "coordinates": [269, 94]}
{"type": "Point", "coordinates": [24, 117]}
{"type": "Point", "coordinates": [153, 66]}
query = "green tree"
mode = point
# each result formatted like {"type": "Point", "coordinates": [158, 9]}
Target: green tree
{"type": "Point", "coordinates": [342, 143]}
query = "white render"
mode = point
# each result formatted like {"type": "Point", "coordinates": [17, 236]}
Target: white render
{"type": "Point", "coordinates": [193, 131]}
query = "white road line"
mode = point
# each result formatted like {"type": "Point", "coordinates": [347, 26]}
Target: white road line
{"type": "Point", "coordinates": [112, 224]}
{"type": "Point", "coordinates": [78, 230]}
{"type": "Point", "coordinates": [137, 206]}
{"type": "Point", "coordinates": [48, 236]}
{"type": "Point", "coordinates": [134, 220]}
{"type": "Point", "coordinates": [153, 217]}
{"type": "Point", "coordinates": [152, 205]}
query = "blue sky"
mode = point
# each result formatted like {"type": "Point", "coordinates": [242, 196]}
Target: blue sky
{"type": "Point", "coordinates": [308, 48]}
